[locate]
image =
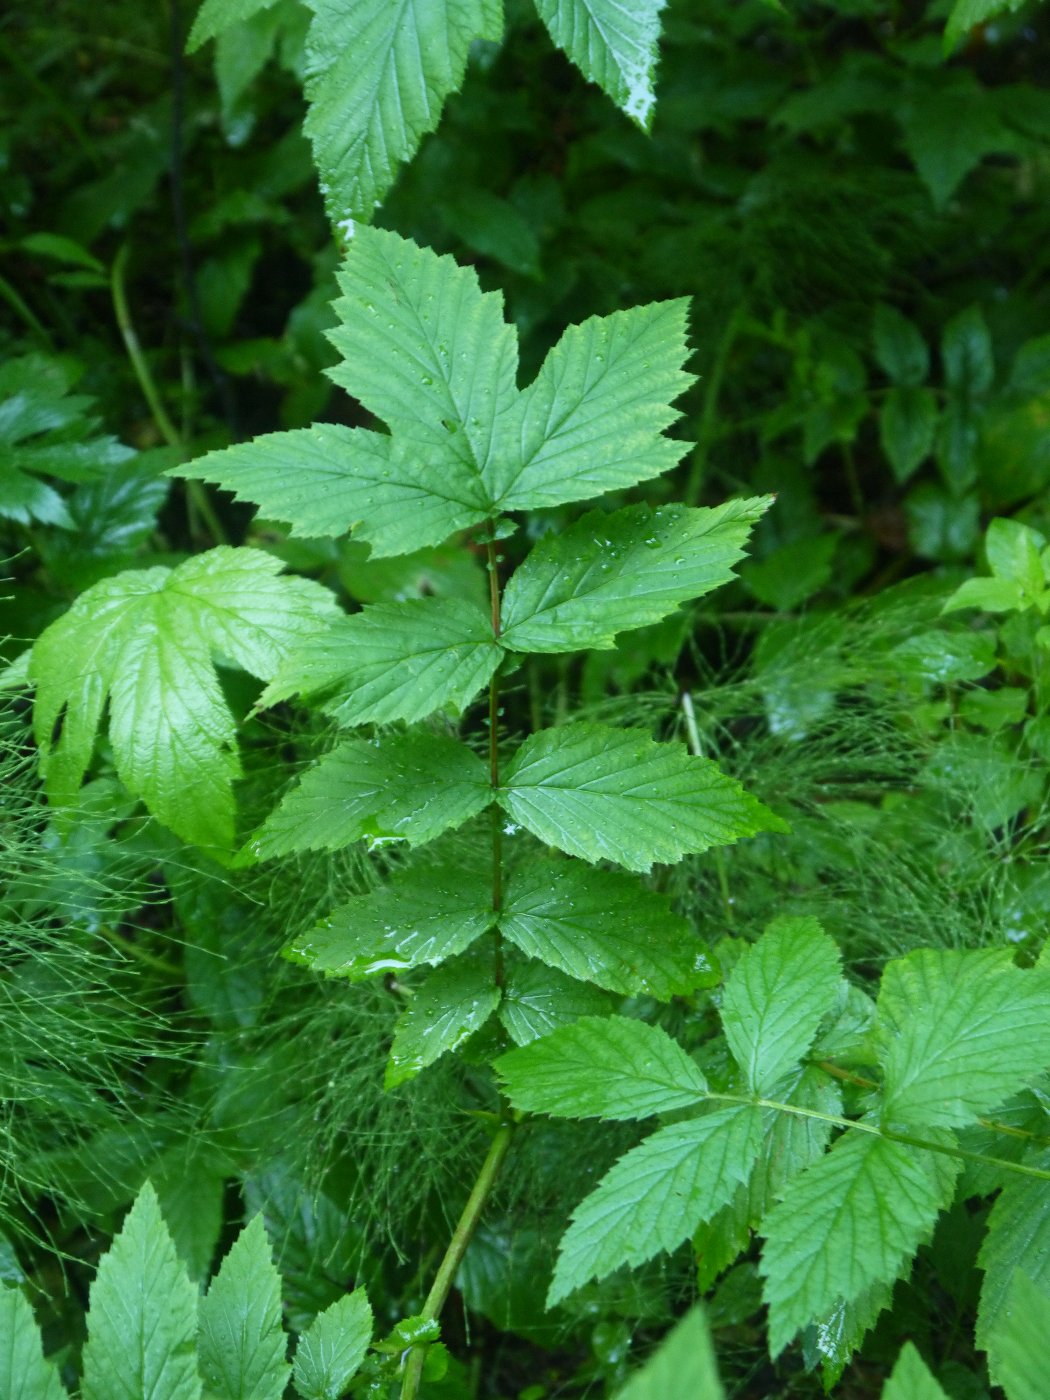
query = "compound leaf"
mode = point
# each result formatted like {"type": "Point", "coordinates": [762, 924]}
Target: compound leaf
{"type": "Point", "coordinates": [612, 44]}
{"type": "Point", "coordinates": [147, 639]}
{"type": "Point", "coordinates": [379, 72]}
{"type": "Point", "coordinates": [615, 794]}
{"type": "Point", "coordinates": [24, 1374]}
{"type": "Point", "coordinates": [538, 1000]}
{"type": "Point", "coordinates": [392, 661]}
{"type": "Point", "coordinates": [962, 1031]}
{"type": "Point", "coordinates": [604, 927]}
{"type": "Point", "coordinates": [241, 1343]}
{"type": "Point", "coordinates": [852, 1220]}
{"type": "Point", "coordinates": [657, 1195]}
{"type": "Point", "coordinates": [423, 914]}
{"type": "Point", "coordinates": [602, 1067]}
{"type": "Point", "coordinates": [333, 1347]}
{"type": "Point", "coordinates": [608, 573]}
{"type": "Point", "coordinates": [142, 1322]}
{"type": "Point", "coordinates": [405, 787]}
{"type": "Point", "coordinates": [451, 1005]}
{"type": "Point", "coordinates": [776, 996]}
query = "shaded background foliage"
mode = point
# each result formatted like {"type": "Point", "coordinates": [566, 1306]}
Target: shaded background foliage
{"type": "Point", "coordinates": [815, 174]}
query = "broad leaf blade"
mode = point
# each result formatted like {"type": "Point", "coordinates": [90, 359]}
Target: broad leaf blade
{"type": "Point", "coordinates": [405, 787]}
{"type": "Point", "coordinates": [602, 1067]}
{"type": "Point", "coordinates": [538, 1000]}
{"type": "Point", "coordinates": [451, 1005]}
{"type": "Point", "coordinates": [379, 73]}
{"type": "Point", "coordinates": [24, 1374]}
{"type": "Point", "coordinates": [392, 661]}
{"type": "Point", "coordinates": [328, 480]}
{"type": "Point", "coordinates": [1019, 1350]}
{"type": "Point", "coordinates": [608, 573]}
{"type": "Point", "coordinates": [593, 419]}
{"type": "Point", "coordinates": [241, 1342]}
{"type": "Point", "coordinates": [333, 1347]}
{"type": "Point", "coordinates": [142, 1322]}
{"type": "Point", "coordinates": [963, 1031]}
{"type": "Point", "coordinates": [423, 914]}
{"type": "Point", "coordinates": [1018, 1240]}
{"type": "Point", "coordinates": [776, 996]}
{"type": "Point", "coordinates": [657, 1195]}
{"type": "Point", "coordinates": [853, 1220]}
{"type": "Point", "coordinates": [614, 794]}
{"type": "Point", "coordinates": [603, 927]}
{"type": "Point", "coordinates": [682, 1368]}
{"type": "Point", "coordinates": [612, 44]}
{"type": "Point", "coordinates": [215, 16]}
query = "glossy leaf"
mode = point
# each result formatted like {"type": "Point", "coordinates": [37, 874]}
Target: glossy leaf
{"type": "Point", "coordinates": [602, 1067]}
{"type": "Point", "coordinates": [450, 1006]}
{"type": "Point", "coordinates": [611, 572]}
{"type": "Point", "coordinates": [332, 1348]}
{"type": "Point", "coordinates": [538, 1000]}
{"type": "Point", "coordinates": [241, 1341]}
{"type": "Point", "coordinates": [614, 794]}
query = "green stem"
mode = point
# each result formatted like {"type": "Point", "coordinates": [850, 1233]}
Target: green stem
{"type": "Point", "coordinates": [696, 748]}
{"type": "Point", "coordinates": [23, 309]}
{"type": "Point", "coordinates": [496, 814]}
{"type": "Point", "coordinates": [461, 1238]}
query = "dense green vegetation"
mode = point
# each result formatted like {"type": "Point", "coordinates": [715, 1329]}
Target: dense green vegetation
{"type": "Point", "coordinates": [526, 705]}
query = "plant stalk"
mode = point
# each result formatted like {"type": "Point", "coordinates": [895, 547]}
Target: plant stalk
{"type": "Point", "coordinates": [496, 815]}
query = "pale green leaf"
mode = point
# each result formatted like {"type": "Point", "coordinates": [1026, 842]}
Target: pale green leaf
{"type": "Point", "coordinates": [900, 349]}
{"type": "Point", "coordinates": [793, 1141]}
{"type": "Point", "coordinates": [657, 1195]}
{"type": "Point", "coordinates": [422, 914]}
{"type": "Point", "coordinates": [683, 1367]}
{"type": "Point", "coordinates": [988, 594]}
{"type": "Point", "coordinates": [216, 15]}
{"type": "Point", "coordinates": [854, 1219]}
{"type": "Point", "coordinates": [602, 1067]}
{"type": "Point", "coordinates": [391, 661]}
{"type": "Point", "coordinates": [970, 14]}
{"type": "Point", "coordinates": [615, 794]}
{"type": "Point", "coordinates": [604, 927]}
{"type": "Point", "coordinates": [241, 1343]}
{"type": "Point", "coordinates": [450, 1006]}
{"type": "Point", "coordinates": [1018, 1238]}
{"type": "Point", "coordinates": [613, 44]}
{"type": "Point", "coordinates": [593, 419]}
{"type": "Point", "coordinates": [404, 787]}
{"type": "Point", "coordinates": [142, 1320]}
{"type": "Point", "coordinates": [776, 996]}
{"type": "Point", "coordinates": [607, 573]}
{"type": "Point", "coordinates": [333, 1347]}
{"type": "Point", "coordinates": [1014, 552]}
{"type": "Point", "coordinates": [907, 428]}
{"type": "Point", "coordinates": [329, 479]}
{"type": "Point", "coordinates": [1019, 1350]}
{"type": "Point", "coordinates": [24, 1374]}
{"type": "Point", "coordinates": [962, 1032]}
{"type": "Point", "coordinates": [379, 72]}
{"type": "Point", "coordinates": [538, 1000]}
{"type": "Point", "coordinates": [149, 639]}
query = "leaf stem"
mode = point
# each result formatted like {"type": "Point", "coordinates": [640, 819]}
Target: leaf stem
{"type": "Point", "coordinates": [496, 814]}
{"type": "Point", "coordinates": [457, 1247]}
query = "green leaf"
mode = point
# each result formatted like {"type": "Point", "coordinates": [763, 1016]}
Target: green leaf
{"type": "Point", "coordinates": [148, 638]}
{"type": "Point", "coordinates": [216, 15]}
{"type": "Point", "coordinates": [1015, 553]}
{"type": "Point", "coordinates": [948, 130]}
{"type": "Point", "coordinates": [333, 1347]}
{"type": "Point", "coordinates": [328, 479]}
{"type": "Point", "coordinates": [241, 1343]}
{"type": "Point", "coordinates": [593, 419]}
{"type": "Point", "coordinates": [966, 350]}
{"type": "Point", "coordinates": [451, 1005]}
{"type": "Point", "coordinates": [142, 1322]}
{"type": "Point", "coordinates": [392, 661]}
{"type": "Point", "coordinates": [854, 1219]}
{"type": "Point", "coordinates": [24, 1374]}
{"type": "Point", "coordinates": [614, 794]}
{"type": "Point", "coordinates": [538, 1000]}
{"type": "Point", "coordinates": [907, 429]}
{"type": "Point", "coordinates": [423, 914]}
{"type": "Point", "coordinates": [614, 45]}
{"type": "Point", "coordinates": [967, 15]}
{"type": "Point", "coordinates": [1019, 1350]}
{"type": "Point", "coordinates": [988, 594]}
{"type": "Point", "coordinates": [403, 787]}
{"type": "Point", "coordinates": [776, 996]}
{"type": "Point", "coordinates": [602, 1067]}
{"type": "Point", "coordinates": [657, 1195]}
{"type": "Point", "coordinates": [683, 1367]}
{"type": "Point", "coordinates": [962, 1031]}
{"type": "Point", "coordinates": [1018, 1239]}
{"type": "Point", "coordinates": [379, 72]}
{"type": "Point", "coordinates": [793, 1141]}
{"type": "Point", "coordinates": [608, 573]}
{"type": "Point", "coordinates": [900, 349]}
{"type": "Point", "coordinates": [604, 927]}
